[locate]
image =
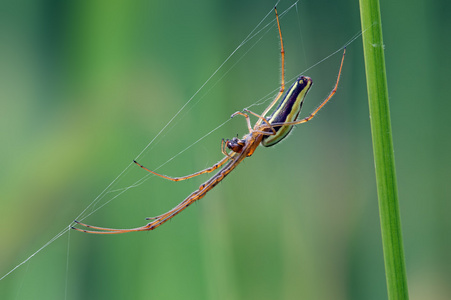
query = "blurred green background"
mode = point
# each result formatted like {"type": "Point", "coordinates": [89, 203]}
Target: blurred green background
{"type": "Point", "coordinates": [86, 85]}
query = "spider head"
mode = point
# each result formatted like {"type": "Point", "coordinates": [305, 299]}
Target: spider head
{"type": "Point", "coordinates": [235, 144]}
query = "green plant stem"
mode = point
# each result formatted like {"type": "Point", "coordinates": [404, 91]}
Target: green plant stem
{"type": "Point", "coordinates": [383, 150]}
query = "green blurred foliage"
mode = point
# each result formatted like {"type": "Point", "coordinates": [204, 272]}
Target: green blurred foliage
{"type": "Point", "coordinates": [86, 85]}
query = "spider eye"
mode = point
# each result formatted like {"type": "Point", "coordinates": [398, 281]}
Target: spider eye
{"type": "Point", "coordinates": [304, 80]}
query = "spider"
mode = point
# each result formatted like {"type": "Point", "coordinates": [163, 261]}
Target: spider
{"type": "Point", "coordinates": [267, 131]}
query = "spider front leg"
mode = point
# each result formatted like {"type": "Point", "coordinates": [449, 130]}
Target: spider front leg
{"type": "Point", "coordinates": [257, 126]}
{"type": "Point", "coordinates": [224, 146]}
{"type": "Point", "coordinates": [264, 120]}
{"type": "Point", "coordinates": [208, 170]}
{"type": "Point", "coordinates": [248, 120]}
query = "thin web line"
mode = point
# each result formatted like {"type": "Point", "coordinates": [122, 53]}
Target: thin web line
{"type": "Point", "coordinates": [300, 34]}
{"type": "Point", "coordinates": [67, 265]}
{"type": "Point", "coordinates": [37, 251]}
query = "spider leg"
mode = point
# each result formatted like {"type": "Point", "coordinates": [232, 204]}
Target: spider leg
{"type": "Point", "coordinates": [158, 221]}
{"type": "Point", "coordinates": [282, 71]}
{"type": "Point", "coordinates": [106, 230]}
{"type": "Point", "coordinates": [264, 120]}
{"type": "Point", "coordinates": [334, 90]}
{"type": "Point", "coordinates": [257, 125]}
{"type": "Point", "coordinates": [208, 170]}
{"type": "Point", "coordinates": [103, 230]}
{"type": "Point", "coordinates": [248, 121]}
{"type": "Point", "coordinates": [224, 148]}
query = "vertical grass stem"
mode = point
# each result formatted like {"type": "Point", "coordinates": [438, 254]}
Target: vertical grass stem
{"type": "Point", "coordinates": [383, 150]}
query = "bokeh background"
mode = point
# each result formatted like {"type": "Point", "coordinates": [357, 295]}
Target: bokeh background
{"type": "Point", "coordinates": [86, 85]}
